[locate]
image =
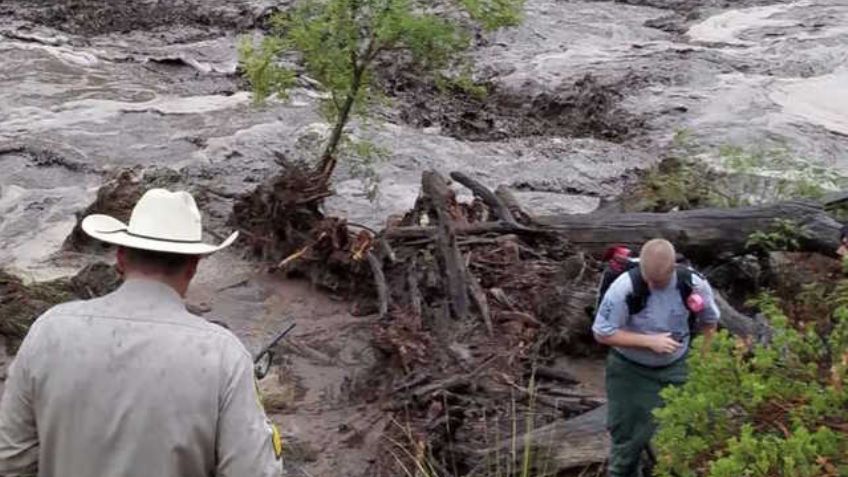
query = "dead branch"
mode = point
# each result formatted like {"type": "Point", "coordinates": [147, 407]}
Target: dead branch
{"type": "Point", "coordinates": [380, 282]}
{"type": "Point", "coordinates": [439, 196]}
{"type": "Point", "coordinates": [478, 294]}
{"type": "Point", "coordinates": [496, 205]}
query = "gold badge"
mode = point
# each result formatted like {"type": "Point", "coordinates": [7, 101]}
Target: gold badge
{"type": "Point", "coordinates": [276, 441]}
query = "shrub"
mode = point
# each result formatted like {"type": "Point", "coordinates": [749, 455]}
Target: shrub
{"type": "Point", "coordinates": [767, 411]}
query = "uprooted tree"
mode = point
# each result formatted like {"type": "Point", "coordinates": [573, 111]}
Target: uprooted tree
{"type": "Point", "coordinates": [340, 44]}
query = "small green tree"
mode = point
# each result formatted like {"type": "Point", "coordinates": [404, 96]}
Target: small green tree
{"type": "Point", "coordinates": [341, 42]}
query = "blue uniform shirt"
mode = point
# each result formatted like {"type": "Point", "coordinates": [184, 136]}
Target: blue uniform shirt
{"type": "Point", "coordinates": [664, 312]}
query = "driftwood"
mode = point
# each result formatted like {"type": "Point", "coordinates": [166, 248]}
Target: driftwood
{"type": "Point", "coordinates": [480, 228]}
{"type": "Point", "coordinates": [506, 196]}
{"type": "Point", "coordinates": [554, 374]}
{"type": "Point", "coordinates": [436, 192]}
{"type": "Point", "coordinates": [496, 205]}
{"type": "Point", "coordinates": [699, 234]}
{"type": "Point", "coordinates": [379, 283]}
{"type": "Point", "coordinates": [756, 329]}
{"type": "Point", "coordinates": [577, 442]}
{"type": "Point", "coordinates": [478, 294]}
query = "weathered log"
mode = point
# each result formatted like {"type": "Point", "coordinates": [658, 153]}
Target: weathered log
{"type": "Point", "coordinates": [835, 199]}
{"type": "Point", "coordinates": [436, 192]}
{"type": "Point", "coordinates": [415, 299]}
{"type": "Point", "coordinates": [555, 374]}
{"type": "Point", "coordinates": [496, 205]}
{"type": "Point", "coordinates": [383, 295]}
{"type": "Point", "coordinates": [699, 234]}
{"type": "Point", "coordinates": [479, 228]}
{"type": "Point", "coordinates": [577, 442]}
{"type": "Point", "coordinates": [507, 197]}
{"type": "Point", "coordinates": [741, 325]}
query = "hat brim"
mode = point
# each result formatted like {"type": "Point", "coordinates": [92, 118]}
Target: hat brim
{"type": "Point", "coordinates": [111, 230]}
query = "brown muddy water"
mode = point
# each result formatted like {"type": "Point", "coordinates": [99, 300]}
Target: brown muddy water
{"type": "Point", "coordinates": [583, 94]}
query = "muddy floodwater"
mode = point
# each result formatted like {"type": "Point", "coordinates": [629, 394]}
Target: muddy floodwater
{"type": "Point", "coordinates": [583, 94]}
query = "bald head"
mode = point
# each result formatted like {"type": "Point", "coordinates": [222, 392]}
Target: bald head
{"type": "Point", "coordinates": [657, 262]}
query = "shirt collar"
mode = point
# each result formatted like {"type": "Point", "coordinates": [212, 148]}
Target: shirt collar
{"type": "Point", "coordinates": [147, 288]}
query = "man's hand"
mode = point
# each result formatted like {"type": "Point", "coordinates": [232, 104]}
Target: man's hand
{"type": "Point", "coordinates": [663, 343]}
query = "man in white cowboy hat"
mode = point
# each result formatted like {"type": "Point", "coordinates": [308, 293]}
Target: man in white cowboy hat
{"type": "Point", "coordinates": [131, 384]}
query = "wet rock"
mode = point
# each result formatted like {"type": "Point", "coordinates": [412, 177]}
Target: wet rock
{"type": "Point", "coordinates": [277, 394]}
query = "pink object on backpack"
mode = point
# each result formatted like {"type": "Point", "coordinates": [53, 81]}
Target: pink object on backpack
{"type": "Point", "coordinates": [616, 257]}
{"type": "Point", "coordinates": [695, 303]}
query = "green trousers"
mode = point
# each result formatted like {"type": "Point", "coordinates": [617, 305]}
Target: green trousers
{"type": "Point", "coordinates": [633, 391]}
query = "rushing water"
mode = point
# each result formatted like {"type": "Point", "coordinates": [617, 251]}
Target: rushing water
{"type": "Point", "coordinates": [760, 75]}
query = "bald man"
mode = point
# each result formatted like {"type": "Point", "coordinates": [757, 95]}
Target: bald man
{"type": "Point", "coordinates": [649, 342]}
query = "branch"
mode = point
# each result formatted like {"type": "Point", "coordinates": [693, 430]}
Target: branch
{"type": "Point", "coordinates": [496, 205]}
{"type": "Point", "coordinates": [380, 282]}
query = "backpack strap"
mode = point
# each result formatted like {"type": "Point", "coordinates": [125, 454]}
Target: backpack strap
{"type": "Point", "coordinates": [638, 298]}
{"type": "Point", "coordinates": [684, 282]}
{"type": "Point", "coordinates": [685, 287]}
{"type": "Point", "coordinates": [607, 278]}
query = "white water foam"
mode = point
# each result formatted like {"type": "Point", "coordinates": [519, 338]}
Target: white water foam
{"type": "Point", "coordinates": [726, 27]}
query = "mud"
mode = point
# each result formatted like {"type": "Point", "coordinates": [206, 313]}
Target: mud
{"type": "Point", "coordinates": [587, 108]}
{"type": "Point", "coordinates": [319, 393]}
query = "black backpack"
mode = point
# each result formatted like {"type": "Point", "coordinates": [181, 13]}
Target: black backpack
{"type": "Point", "coordinates": [638, 298]}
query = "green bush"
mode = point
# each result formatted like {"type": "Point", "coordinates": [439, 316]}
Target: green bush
{"type": "Point", "coordinates": [776, 410]}
{"type": "Point", "coordinates": [784, 235]}
{"type": "Point", "coordinates": [693, 176]}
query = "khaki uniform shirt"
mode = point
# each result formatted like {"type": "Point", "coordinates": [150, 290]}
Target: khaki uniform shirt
{"type": "Point", "coordinates": [132, 385]}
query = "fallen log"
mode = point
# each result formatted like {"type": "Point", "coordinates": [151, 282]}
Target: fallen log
{"type": "Point", "coordinates": [699, 234]}
{"type": "Point", "coordinates": [577, 442]}
{"type": "Point", "coordinates": [479, 228]}
{"type": "Point", "coordinates": [738, 324]}
{"type": "Point", "coordinates": [555, 374]}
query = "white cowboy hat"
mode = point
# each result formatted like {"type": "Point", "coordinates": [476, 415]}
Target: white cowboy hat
{"type": "Point", "coordinates": [161, 221]}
